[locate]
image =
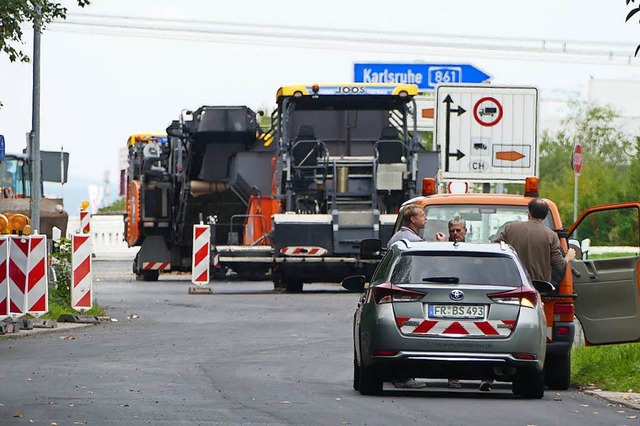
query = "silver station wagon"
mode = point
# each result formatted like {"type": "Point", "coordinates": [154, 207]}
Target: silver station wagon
{"type": "Point", "coordinates": [449, 310]}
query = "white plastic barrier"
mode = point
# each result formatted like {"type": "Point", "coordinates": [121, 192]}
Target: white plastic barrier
{"type": "Point", "coordinates": [616, 249]}
{"type": "Point", "coordinates": [107, 234]}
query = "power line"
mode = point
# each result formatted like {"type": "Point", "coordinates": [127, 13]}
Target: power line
{"type": "Point", "coordinates": [344, 40]}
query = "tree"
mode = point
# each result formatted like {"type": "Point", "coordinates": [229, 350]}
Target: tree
{"type": "Point", "coordinates": [118, 206]}
{"type": "Point", "coordinates": [629, 16]}
{"type": "Point", "coordinates": [14, 13]}
{"type": "Point", "coordinates": [609, 160]}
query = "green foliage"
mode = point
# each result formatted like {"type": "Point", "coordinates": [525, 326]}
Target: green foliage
{"type": "Point", "coordinates": [427, 140]}
{"type": "Point", "coordinates": [13, 13]}
{"type": "Point", "coordinates": [60, 291]}
{"type": "Point", "coordinates": [118, 206]}
{"type": "Point", "coordinates": [609, 158]}
{"type": "Point", "coordinates": [615, 368]}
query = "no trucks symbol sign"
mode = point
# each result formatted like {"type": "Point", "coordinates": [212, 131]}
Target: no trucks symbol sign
{"type": "Point", "coordinates": [577, 160]}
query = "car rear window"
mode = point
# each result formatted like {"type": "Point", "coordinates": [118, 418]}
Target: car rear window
{"type": "Point", "coordinates": [462, 268]}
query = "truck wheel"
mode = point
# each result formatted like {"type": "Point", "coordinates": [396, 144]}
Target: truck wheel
{"type": "Point", "coordinates": [148, 275]}
{"type": "Point", "coordinates": [558, 371]}
{"type": "Point", "coordinates": [529, 384]}
{"type": "Point", "coordinates": [370, 381]}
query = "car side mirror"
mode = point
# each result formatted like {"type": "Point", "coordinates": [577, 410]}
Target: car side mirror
{"type": "Point", "coordinates": [371, 248]}
{"type": "Point", "coordinates": [543, 287]}
{"type": "Point", "coordinates": [585, 245]}
{"type": "Point", "coordinates": [575, 244]}
{"type": "Point", "coordinates": [354, 283]}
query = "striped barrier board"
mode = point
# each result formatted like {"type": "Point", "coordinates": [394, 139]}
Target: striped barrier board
{"type": "Point", "coordinates": [201, 252]}
{"type": "Point", "coordinates": [85, 222]}
{"type": "Point", "coordinates": [81, 276]}
{"type": "Point", "coordinates": [4, 282]}
{"type": "Point", "coordinates": [17, 270]}
{"type": "Point", "coordinates": [156, 266]}
{"type": "Point", "coordinates": [37, 282]}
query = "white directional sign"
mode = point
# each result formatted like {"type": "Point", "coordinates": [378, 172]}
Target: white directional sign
{"type": "Point", "coordinates": [487, 133]}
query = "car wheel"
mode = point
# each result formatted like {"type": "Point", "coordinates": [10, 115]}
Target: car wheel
{"type": "Point", "coordinates": [558, 371]}
{"type": "Point", "coordinates": [370, 381]}
{"type": "Point", "coordinates": [356, 374]}
{"type": "Point", "coordinates": [151, 275]}
{"type": "Point", "coordinates": [529, 384]}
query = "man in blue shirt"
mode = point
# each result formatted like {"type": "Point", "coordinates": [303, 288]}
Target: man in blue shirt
{"type": "Point", "coordinates": [413, 221]}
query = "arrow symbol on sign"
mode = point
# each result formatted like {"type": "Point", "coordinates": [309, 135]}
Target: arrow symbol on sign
{"type": "Point", "coordinates": [458, 110]}
{"type": "Point", "coordinates": [447, 132]}
{"type": "Point", "coordinates": [509, 155]}
{"type": "Point", "coordinates": [458, 154]}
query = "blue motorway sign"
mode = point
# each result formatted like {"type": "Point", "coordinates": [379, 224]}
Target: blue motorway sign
{"type": "Point", "coordinates": [426, 76]}
{"type": "Point", "coordinates": [2, 148]}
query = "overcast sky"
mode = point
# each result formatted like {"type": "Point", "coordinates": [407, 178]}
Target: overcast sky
{"type": "Point", "coordinates": [101, 83]}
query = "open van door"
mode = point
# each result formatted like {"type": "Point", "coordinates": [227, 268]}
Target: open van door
{"type": "Point", "coordinates": [606, 276]}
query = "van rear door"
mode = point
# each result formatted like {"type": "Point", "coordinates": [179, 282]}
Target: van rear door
{"type": "Point", "coordinates": [605, 277]}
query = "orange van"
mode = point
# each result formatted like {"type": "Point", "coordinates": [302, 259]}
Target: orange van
{"type": "Point", "coordinates": [600, 287]}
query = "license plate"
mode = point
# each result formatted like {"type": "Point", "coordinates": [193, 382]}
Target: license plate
{"type": "Point", "coordinates": [457, 311]}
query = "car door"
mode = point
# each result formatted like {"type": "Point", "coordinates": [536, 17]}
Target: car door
{"type": "Point", "coordinates": [605, 277]}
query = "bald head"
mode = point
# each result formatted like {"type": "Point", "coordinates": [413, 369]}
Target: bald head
{"type": "Point", "coordinates": [538, 209]}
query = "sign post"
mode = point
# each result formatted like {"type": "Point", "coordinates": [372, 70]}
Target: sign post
{"type": "Point", "coordinates": [576, 163]}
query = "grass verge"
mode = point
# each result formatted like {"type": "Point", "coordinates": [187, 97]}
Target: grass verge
{"type": "Point", "coordinates": [613, 368]}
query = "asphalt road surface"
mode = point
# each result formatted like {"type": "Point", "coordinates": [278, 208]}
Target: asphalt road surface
{"type": "Point", "coordinates": [243, 355]}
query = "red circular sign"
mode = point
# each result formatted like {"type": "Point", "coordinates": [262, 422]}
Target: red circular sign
{"type": "Point", "coordinates": [577, 160]}
{"type": "Point", "coordinates": [491, 112]}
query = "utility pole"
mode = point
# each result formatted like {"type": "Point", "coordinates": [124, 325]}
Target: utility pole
{"type": "Point", "coordinates": [34, 136]}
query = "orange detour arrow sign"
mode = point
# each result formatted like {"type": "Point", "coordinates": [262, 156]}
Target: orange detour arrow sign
{"type": "Point", "coordinates": [427, 113]}
{"type": "Point", "coordinates": [509, 155]}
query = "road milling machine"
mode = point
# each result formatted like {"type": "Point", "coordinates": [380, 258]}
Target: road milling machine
{"type": "Point", "coordinates": [291, 204]}
{"type": "Point", "coordinates": [204, 169]}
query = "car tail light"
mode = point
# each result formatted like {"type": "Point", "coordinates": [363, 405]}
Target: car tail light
{"type": "Point", "coordinates": [385, 352]}
{"type": "Point", "coordinates": [524, 356]}
{"type": "Point", "coordinates": [562, 331]}
{"type": "Point", "coordinates": [387, 293]}
{"type": "Point", "coordinates": [522, 296]}
{"type": "Point", "coordinates": [563, 308]}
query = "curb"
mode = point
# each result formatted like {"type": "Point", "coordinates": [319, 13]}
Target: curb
{"type": "Point", "coordinates": [61, 327]}
{"type": "Point", "coordinates": [626, 399]}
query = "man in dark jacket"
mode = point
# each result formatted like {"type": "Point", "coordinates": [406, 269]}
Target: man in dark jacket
{"type": "Point", "coordinates": [538, 247]}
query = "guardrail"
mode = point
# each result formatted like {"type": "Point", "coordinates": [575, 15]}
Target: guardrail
{"type": "Point", "coordinates": [107, 234]}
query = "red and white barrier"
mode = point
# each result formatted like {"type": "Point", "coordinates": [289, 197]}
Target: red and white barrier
{"type": "Point", "coordinates": [18, 267]}
{"type": "Point", "coordinates": [201, 252]}
{"type": "Point", "coordinates": [81, 277]}
{"type": "Point", "coordinates": [37, 282]}
{"type": "Point", "coordinates": [156, 266]}
{"type": "Point", "coordinates": [85, 222]}
{"type": "Point", "coordinates": [4, 282]}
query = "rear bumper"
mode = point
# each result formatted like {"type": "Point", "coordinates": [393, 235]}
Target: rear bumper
{"type": "Point", "coordinates": [456, 364]}
{"type": "Point", "coordinates": [561, 343]}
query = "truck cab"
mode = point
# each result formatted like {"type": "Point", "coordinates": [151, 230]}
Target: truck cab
{"type": "Point", "coordinates": [15, 196]}
{"type": "Point", "coordinates": [600, 287]}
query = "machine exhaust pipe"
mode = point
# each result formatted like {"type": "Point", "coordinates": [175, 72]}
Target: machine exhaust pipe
{"type": "Point", "coordinates": [201, 187]}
